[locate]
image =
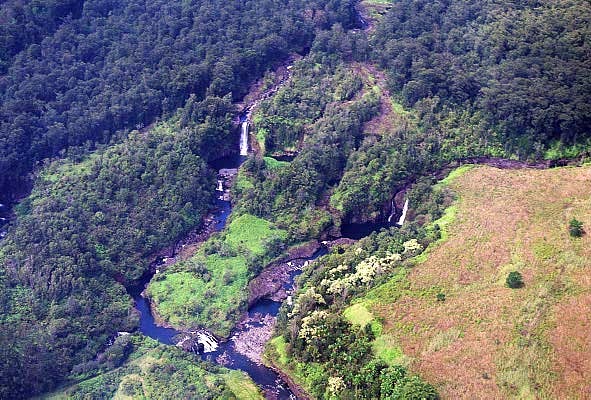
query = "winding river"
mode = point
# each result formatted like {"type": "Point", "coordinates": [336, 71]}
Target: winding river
{"type": "Point", "coordinates": [261, 315]}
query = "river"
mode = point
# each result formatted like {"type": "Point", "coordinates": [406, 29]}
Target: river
{"type": "Point", "coordinates": [257, 325]}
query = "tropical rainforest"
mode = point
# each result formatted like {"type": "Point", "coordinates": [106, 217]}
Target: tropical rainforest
{"type": "Point", "coordinates": [113, 119]}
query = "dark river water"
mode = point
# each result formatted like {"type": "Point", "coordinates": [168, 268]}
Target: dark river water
{"type": "Point", "coordinates": [259, 313]}
{"type": "Point", "coordinates": [267, 379]}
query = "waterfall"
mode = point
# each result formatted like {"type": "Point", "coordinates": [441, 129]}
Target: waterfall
{"type": "Point", "coordinates": [208, 341]}
{"type": "Point", "coordinates": [244, 138]}
{"type": "Point", "coordinates": [220, 187]}
{"type": "Point", "coordinates": [403, 216]}
{"type": "Point", "coordinates": [392, 212]}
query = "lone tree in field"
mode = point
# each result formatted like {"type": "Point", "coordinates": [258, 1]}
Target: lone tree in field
{"type": "Point", "coordinates": [575, 228]}
{"type": "Point", "coordinates": [514, 280]}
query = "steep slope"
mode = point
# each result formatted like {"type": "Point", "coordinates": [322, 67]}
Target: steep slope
{"type": "Point", "coordinates": [486, 340]}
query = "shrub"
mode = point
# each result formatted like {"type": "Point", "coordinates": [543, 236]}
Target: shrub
{"type": "Point", "coordinates": [514, 280]}
{"type": "Point", "coordinates": [575, 228]}
{"type": "Point", "coordinates": [414, 388]}
{"type": "Point", "coordinates": [440, 296]}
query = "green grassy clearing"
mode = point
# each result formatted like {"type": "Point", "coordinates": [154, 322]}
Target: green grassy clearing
{"type": "Point", "coordinates": [209, 289]}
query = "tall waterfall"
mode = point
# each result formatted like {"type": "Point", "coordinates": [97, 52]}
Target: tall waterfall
{"type": "Point", "coordinates": [403, 216]}
{"type": "Point", "coordinates": [244, 138]}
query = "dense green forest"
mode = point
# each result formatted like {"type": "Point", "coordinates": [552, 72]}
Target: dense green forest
{"type": "Point", "coordinates": [122, 65]}
{"type": "Point", "coordinates": [114, 110]}
{"type": "Point", "coordinates": [94, 219]}
{"type": "Point", "coordinates": [27, 22]}
{"type": "Point", "coordinates": [90, 224]}
{"type": "Point", "coordinates": [520, 66]}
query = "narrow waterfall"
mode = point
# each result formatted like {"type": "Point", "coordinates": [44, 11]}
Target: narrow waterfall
{"type": "Point", "coordinates": [244, 138]}
{"type": "Point", "coordinates": [403, 216]}
{"type": "Point", "coordinates": [392, 212]}
{"type": "Point", "coordinates": [220, 187]}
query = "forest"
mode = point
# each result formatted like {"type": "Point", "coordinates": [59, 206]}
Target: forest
{"type": "Point", "coordinates": [94, 219]}
{"type": "Point", "coordinates": [111, 115]}
{"type": "Point", "coordinates": [120, 66]}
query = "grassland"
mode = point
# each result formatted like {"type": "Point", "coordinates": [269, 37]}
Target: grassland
{"type": "Point", "coordinates": [209, 289]}
{"type": "Point", "coordinates": [486, 341]}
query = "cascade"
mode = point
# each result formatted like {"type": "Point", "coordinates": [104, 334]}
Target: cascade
{"type": "Point", "coordinates": [244, 138]}
{"type": "Point", "coordinates": [403, 216]}
{"type": "Point", "coordinates": [392, 212]}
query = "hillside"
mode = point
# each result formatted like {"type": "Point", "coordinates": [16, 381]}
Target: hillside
{"type": "Point", "coordinates": [224, 176]}
{"type": "Point", "coordinates": [486, 340]}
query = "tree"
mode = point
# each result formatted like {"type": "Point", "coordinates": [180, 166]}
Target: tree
{"type": "Point", "coordinates": [413, 388]}
{"type": "Point", "coordinates": [514, 280]}
{"type": "Point", "coordinates": [575, 228]}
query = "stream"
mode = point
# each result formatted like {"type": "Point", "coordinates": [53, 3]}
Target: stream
{"type": "Point", "coordinates": [243, 349]}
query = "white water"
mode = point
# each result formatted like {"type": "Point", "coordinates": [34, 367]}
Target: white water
{"type": "Point", "coordinates": [205, 338]}
{"type": "Point", "coordinates": [220, 187]}
{"type": "Point", "coordinates": [392, 211]}
{"type": "Point", "coordinates": [244, 139]}
{"type": "Point", "coordinates": [403, 216]}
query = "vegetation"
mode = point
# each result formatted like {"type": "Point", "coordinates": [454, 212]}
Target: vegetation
{"type": "Point", "coordinates": [511, 343]}
{"type": "Point", "coordinates": [514, 280]}
{"type": "Point", "coordinates": [136, 367]}
{"type": "Point", "coordinates": [119, 66]}
{"type": "Point", "coordinates": [515, 66]}
{"type": "Point", "coordinates": [88, 226]}
{"type": "Point", "coordinates": [336, 350]}
{"type": "Point", "coordinates": [575, 228]}
{"type": "Point", "coordinates": [115, 196]}
{"type": "Point", "coordinates": [326, 124]}
{"type": "Point", "coordinates": [28, 22]}
{"type": "Point", "coordinates": [112, 110]}
{"type": "Point", "coordinates": [209, 289]}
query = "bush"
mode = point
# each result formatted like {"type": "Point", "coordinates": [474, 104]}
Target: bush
{"type": "Point", "coordinates": [440, 297]}
{"type": "Point", "coordinates": [514, 280]}
{"type": "Point", "coordinates": [575, 228]}
{"type": "Point", "coordinates": [414, 388]}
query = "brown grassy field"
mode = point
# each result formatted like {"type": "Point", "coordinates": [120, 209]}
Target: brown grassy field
{"type": "Point", "coordinates": [487, 341]}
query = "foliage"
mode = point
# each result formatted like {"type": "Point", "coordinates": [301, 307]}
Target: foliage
{"type": "Point", "coordinates": [209, 289]}
{"type": "Point", "coordinates": [156, 371]}
{"type": "Point", "coordinates": [514, 280]}
{"type": "Point", "coordinates": [93, 223]}
{"type": "Point", "coordinates": [575, 228]}
{"type": "Point", "coordinates": [319, 328]}
{"type": "Point", "coordinates": [518, 66]}
{"type": "Point", "coordinates": [28, 22]}
{"type": "Point", "coordinates": [328, 132]}
{"type": "Point", "coordinates": [121, 65]}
